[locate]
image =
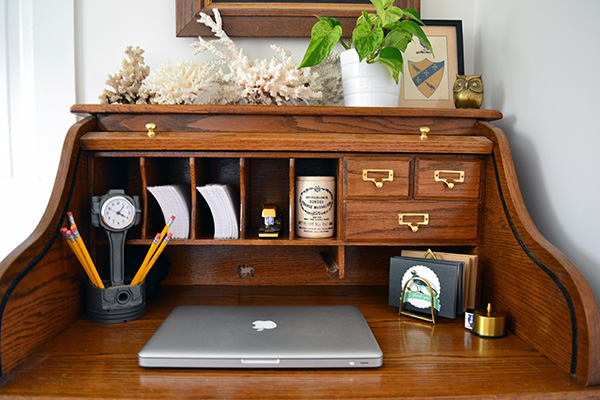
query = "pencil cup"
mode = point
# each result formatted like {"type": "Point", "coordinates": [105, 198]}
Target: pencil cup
{"type": "Point", "coordinates": [115, 304]}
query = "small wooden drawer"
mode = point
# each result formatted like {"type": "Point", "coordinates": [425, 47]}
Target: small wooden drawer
{"type": "Point", "coordinates": [445, 221]}
{"type": "Point", "coordinates": [448, 178]}
{"type": "Point", "coordinates": [377, 177]}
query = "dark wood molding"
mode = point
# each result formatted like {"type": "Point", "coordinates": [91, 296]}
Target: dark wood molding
{"type": "Point", "coordinates": [261, 19]}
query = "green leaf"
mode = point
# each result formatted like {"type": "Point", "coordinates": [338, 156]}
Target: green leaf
{"type": "Point", "coordinates": [416, 30]}
{"type": "Point", "coordinates": [414, 15]}
{"type": "Point", "coordinates": [366, 41]}
{"type": "Point", "coordinates": [323, 38]}
{"type": "Point", "coordinates": [390, 16]}
{"type": "Point", "coordinates": [392, 59]}
{"type": "Point", "coordinates": [398, 39]}
{"type": "Point", "coordinates": [380, 5]}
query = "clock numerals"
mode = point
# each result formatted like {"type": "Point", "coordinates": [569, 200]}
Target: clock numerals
{"type": "Point", "coordinates": [118, 213]}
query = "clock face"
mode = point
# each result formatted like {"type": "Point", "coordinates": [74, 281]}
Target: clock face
{"type": "Point", "coordinates": [118, 213]}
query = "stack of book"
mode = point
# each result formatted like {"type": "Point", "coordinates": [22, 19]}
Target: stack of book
{"type": "Point", "coordinates": [223, 204]}
{"type": "Point", "coordinates": [174, 200]}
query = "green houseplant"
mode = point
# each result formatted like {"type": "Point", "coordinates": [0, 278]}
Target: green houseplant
{"type": "Point", "coordinates": [381, 37]}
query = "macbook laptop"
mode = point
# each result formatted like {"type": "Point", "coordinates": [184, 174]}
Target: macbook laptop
{"type": "Point", "coordinates": [262, 337]}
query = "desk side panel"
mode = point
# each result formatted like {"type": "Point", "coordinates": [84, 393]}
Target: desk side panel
{"type": "Point", "coordinates": [548, 302]}
{"type": "Point", "coordinates": [41, 280]}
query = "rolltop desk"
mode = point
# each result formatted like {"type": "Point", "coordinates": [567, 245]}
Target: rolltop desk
{"type": "Point", "coordinates": [49, 349]}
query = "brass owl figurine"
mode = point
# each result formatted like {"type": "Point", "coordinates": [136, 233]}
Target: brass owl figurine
{"type": "Point", "coordinates": [468, 91]}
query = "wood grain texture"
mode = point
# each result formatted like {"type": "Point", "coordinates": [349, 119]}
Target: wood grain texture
{"type": "Point", "coordinates": [420, 360]}
{"type": "Point", "coordinates": [426, 187]}
{"type": "Point", "coordinates": [449, 222]}
{"type": "Point", "coordinates": [396, 171]}
{"type": "Point", "coordinates": [41, 281]}
{"type": "Point", "coordinates": [548, 302]}
{"type": "Point", "coordinates": [273, 19]}
{"type": "Point", "coordinates": [322, 141]}
{"type": "Point", "coordinates": [550, 307]}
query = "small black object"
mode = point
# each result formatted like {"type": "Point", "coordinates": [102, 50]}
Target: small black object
{"type": "Point", "coordinates": [115, 304]}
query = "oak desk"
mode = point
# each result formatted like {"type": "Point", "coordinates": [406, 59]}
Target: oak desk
{"type": "Point", "coordinates": [48, 347]}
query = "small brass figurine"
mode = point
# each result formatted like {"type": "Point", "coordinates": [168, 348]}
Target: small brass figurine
{"type": "Point", "coordinates": [271, 222]}
{"type": "Point", "coordinates": [468, 91]}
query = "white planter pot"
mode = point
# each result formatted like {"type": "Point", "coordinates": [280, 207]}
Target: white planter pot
{"type": "Point", "coordinates": [367, 85]}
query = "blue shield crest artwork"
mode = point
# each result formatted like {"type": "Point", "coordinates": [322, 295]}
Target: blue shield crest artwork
{"type": "Point", "coordinates": [426, 75]}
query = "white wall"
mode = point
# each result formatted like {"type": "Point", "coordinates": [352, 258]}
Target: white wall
{"type": "Point", "coordinates": [526, 60]}
{"type": "Point", "coordinates": [539, 60]}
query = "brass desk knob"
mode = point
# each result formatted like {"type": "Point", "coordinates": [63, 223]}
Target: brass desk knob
{"type": "Point", "coordinates": [151, 129]}
{"type": "Point", "coordinates": [424, 131]}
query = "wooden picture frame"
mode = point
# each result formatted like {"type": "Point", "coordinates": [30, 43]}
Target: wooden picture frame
{"type": "Point", "coordinates": [434, 91]}
{"type": "Point", "coordinates": [271, 18]}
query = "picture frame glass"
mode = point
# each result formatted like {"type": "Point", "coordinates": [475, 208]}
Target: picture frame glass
{"type": "Point", "coordinates": [428, 76]}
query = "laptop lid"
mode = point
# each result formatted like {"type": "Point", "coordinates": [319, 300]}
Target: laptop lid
{"type": "Point", "coordinates": [262, 337]}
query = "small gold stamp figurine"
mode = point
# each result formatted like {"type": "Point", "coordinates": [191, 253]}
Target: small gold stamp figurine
{"type": "Point", "coordinates": [271, 222]}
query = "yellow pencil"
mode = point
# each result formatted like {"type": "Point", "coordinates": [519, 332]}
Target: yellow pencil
{"type": "Point", "coordinates": [167, 226]}
{"type": "Point", "coordinates": [153, 247]}
{"type": "Point", "coordinates": [86, 257]}
{"type": "Point", "coordinates": [71, 242]}
{"type": "Point", "coordinates": [153, 260]}
{"type": "Point", "coordinates": [70, 218]}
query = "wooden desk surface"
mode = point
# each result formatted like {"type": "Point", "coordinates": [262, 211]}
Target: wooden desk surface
{"type": "Point", "coordinates": [420, 360]}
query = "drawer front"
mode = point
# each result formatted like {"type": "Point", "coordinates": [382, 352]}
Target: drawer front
{"type": "Point", "coordinates": [448, 178]}
{"type": "Point", "coordinates": [452, 221]}
{"type": "Point", "coordinates": [377, 177]}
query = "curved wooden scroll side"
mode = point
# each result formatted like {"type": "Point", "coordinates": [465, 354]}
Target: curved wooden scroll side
{"type": "Point", "coordinates": [41, 281]}
{"type": "Point", "coordinates": [549, 303]}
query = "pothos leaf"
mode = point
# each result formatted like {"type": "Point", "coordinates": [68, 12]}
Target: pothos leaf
{"type": "Point", "coordinates": [365, 40]}
{"type": "Point", "coordinates": [324, 36]}
{"type": "Point", "coordinates": [391, 57]}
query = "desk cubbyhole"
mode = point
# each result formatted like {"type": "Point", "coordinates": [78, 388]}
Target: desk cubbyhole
{"type": "Point", "coordinates": [117, 173]}
{"type": "Point", "coordinates": [211, 171]}
{"type": "Point", "coordinates": [315, 167]}
{"type": "Point", "coordinates": [156, 172]}
{"type": "Point", "coordinates": [266, 181]}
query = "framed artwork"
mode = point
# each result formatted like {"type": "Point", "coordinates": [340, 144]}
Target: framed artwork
{"type": "Point", "coordinates": [427, 80]}
{"type": "Point", "coordinates": [272, 18]}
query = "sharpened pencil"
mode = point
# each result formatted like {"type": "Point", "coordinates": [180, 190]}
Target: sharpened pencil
{"type": "Point", "coordinates": [153, 260]}
{"type": "Point", "coordinates": [140, 272]}
{"type": "Point", "coordinates": [86, 257]}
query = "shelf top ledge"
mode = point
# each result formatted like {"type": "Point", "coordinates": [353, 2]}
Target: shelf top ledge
{"type": "Point", "coordinates": [286, 110]}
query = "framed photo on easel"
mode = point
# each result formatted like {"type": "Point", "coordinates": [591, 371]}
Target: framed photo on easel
{"type": "Point", "coordinates": [428, 78]}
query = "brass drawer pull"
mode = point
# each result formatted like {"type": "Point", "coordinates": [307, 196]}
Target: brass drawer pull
{"type": "Point", "coordinates": [378, 181]}
{"type": "Point", "coordinates": [412, 224]}
{"type": "Point", "coordinates": [151, 129]}
{"type": "Point", "coordinates": [424, 132]}
{"type": "Point", "coordinates": [449, 182]}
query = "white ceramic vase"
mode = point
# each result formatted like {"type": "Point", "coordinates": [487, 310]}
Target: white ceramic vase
{"type": "Point", "coordinates": [367, 85]}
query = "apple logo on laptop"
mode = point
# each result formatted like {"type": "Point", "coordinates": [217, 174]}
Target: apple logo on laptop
{"type": "Point", "coordinates": [262, 325]}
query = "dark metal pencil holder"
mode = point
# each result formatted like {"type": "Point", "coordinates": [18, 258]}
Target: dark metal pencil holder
{"type": "Point", "coordinates": [115, 304]}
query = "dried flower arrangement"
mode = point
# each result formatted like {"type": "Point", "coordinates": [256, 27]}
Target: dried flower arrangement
{"type": "Point", "coordinates": [238, 79]}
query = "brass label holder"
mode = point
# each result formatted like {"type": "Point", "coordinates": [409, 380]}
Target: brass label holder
{"type": "Point", "coordinates": [448, 181]}
{"type": "Point", "coordinates": [412, 224]}
{"type": "Point", "coordinates": [378, 181]}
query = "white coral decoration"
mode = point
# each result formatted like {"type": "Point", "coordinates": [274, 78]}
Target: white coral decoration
{"type": "Point", "coordinates": [178, 84]}
{"type": "Point", "coordinates": [276, 81]}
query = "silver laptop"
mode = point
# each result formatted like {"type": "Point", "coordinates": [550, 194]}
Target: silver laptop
{"type": "Point", "coordinates": [262, 337]}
